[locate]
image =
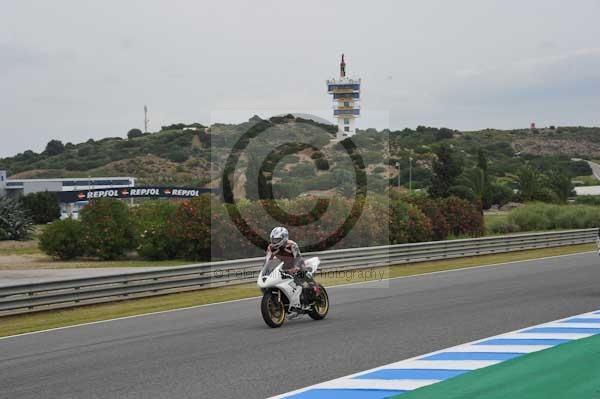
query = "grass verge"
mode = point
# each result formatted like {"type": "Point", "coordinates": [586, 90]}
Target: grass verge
{"type": "Point", "coordinates": [12, 325]}
{"type": "Point", "coordinates": [565, 371]}
{"type": "Point", "coordinates": [24, 259]}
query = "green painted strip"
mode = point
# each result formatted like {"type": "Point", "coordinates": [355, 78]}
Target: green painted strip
{"type": "Point", "coordinates": [570, 370]}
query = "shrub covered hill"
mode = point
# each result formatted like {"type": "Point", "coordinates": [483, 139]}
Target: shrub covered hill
{"type": "Point", "coordinates": [187, 155]}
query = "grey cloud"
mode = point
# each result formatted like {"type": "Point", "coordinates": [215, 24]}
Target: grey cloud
{"type": "Point", "coordinates": [86, 69]}
{"type": "Point", "coordinates": [562, 77]}
{"type": "Point", "coordinates": [14, 56]}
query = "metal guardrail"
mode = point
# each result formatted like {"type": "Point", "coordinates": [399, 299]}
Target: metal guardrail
{"type": "Point", "coordinates": [34, 297]}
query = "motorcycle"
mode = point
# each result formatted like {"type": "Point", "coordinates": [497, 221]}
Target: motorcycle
{"type": "Point", "coordinates": [284, 299]}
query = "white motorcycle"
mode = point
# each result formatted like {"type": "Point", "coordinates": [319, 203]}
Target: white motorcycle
{"type": "Point", "coordinates": [284, 299]}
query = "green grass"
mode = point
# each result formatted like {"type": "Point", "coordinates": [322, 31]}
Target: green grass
{"type": "Point", "coordinates": [29, 247]}
{"type": "Point", "coordinates": [19, 324]}
{"type": "Point", "coordinates": [492, 217]}
{"type": "Point", "coordinates": [586, 180]}
{"type": "Point", "coordinates": [37, 261]}
{"type": "Point", "coordinates": [498, 224]}
{"type": "Point", "coordinates": [565, 371]}
{"type": "Point", "coordinates": [19, 251]}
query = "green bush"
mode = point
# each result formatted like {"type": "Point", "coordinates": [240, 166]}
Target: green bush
{"type": "Point", "coordinates": [431, 208]}
{"type": "Point", "coordinates": [501, 226]}
{"type": "Point", "coordinates": [463, 192]}
{"type": "Point", "coordinates": [322, 164]}
{"type": "Point", "coordinates": [540, 216]}
{"type": "Point", "coordinates": [108, 231]}
{"type": "Point", "coordinates": [85, 151]}
{"type": "Point", "coordinates": [322, 182]}
{"type": "Point", "coordinates": [463, 217]}
{"type": "Point", "coordinates": [303, 169]}
{"type": "Point", "coordinates": [191, 227]}
{"type": "Point", "coordinates": [43, 206]}
{"type": "Point", "coordinates": [54, 147]}
{"type": "Point", "coordinates": [497, 194]}
{"type": "Point", "coordinates": [177, 156]}
{"type": "Point", "coordinates": [533, 216]}
{"type": "Point", "coordinates": [372, 157]}
{"type": "Point", "coordinates": [134, 133]}
{"type": "Point", "coordinates": [15, 222]}
{"type": "Point", "coordinates": [153, 221]}
{"type": "Point", "coordinates": [63, 239]}
{"type": "Point", "coordinates": [587, 200]}
{"type": "Point", "coordinates": [408, 224]}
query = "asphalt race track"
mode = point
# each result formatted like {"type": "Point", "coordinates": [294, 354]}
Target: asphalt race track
{"type": "Point", "coordinates": [226, 350]}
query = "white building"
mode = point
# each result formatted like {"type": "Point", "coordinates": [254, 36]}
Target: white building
{"type": "Point", "coordinates": [587, 190]}
{"type": "Point", "coordinates": [346, 98]}
{"type": "Point", "coordinates": [18, 187]}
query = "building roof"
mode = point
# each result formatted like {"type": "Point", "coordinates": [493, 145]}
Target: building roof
{"type": "Point", "coordinates": [86, 178]}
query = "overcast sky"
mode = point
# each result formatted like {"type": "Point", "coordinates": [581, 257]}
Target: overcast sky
{"type": "Point", "coordinates": [74, 70]}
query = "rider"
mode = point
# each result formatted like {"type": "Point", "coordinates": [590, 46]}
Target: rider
{"type": "Point", "coordinates": [288, 252]}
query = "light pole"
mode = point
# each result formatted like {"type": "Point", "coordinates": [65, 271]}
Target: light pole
{"type": "Point", "coordinates": [410, 174]}
{"type": "Point", "coordinates": [398, 166]}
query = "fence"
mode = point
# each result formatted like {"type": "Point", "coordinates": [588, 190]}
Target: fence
{"type": "Point", "coordinates": [26, 298]}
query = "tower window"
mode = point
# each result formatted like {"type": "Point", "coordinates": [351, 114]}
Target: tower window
{"type": "Point", "coordinates": [346, 121]}
{"type": "Point", "coordinates": [346, 104]}
{"type": "Point", "coordinates": [346, 128]}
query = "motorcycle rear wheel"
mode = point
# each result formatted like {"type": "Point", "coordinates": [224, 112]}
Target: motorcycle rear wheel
{"type": "Point", "coordinates": [321, 307]}
{"type": "Point", "coordinates": [272, 310]}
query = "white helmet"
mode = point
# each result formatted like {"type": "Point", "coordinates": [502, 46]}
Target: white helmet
{"type": "Point", "coordinates": [279, 237]}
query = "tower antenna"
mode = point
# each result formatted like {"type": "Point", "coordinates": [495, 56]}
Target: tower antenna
{"type": "Point", "coordinates": [146, 120]}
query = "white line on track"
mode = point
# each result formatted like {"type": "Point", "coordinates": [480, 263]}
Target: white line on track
{"type": "Point", "coordinates": [329, 288]}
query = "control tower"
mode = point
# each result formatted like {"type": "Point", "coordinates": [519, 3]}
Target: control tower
{"type": "Point", "coordinates": [346, 95]}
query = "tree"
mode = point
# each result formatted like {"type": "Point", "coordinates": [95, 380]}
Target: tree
{"type": "Point", "coordinates": [489, 189]}
{"type": "Point", "coordinates": [475, 180]}
{"type": "Point", "coordinates": [446, 168]}
{"type": "Point", "coordinates": [482, 162]}
{"type": "Point", "coordinates": [443, 134]}
{"type": "Point", "coordinates": [497, 194]}
{"type": "Point", "coordinates": [531, 183]}
{"type": "Point", "coordinates": [15, 222]}
{"type": "Point", "coordinates": [322, 164]}
{"type": "Point", "coordinates": [560, 183]}
{"type": "Point", "coordinates": [133, 133]}
{"type": "Point", "coordinates": [462, 192]}
{"type": "Point", "coordinates": [54, 147]}
{"type": "Point", "coordinates": [43, 206]}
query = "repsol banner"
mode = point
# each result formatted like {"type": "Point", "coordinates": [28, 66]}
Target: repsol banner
{"type": "Point", "coordinates": [132, 192]}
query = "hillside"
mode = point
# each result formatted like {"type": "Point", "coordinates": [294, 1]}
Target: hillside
{"type": "Point", "coordinates": [186, 155]}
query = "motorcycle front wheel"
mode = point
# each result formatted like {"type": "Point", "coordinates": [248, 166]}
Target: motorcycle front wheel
{"type": "Point", "coordinates": [272, 310]}
{"type": "Point", "coordinates": [321, 306]}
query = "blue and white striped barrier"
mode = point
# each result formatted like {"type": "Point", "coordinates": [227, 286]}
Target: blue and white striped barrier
{"type": "Point", "coordinates": [407, 375]}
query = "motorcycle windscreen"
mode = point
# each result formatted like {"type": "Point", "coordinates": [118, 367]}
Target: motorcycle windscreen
{"type": "Point", "coordinates": [270, 266]}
